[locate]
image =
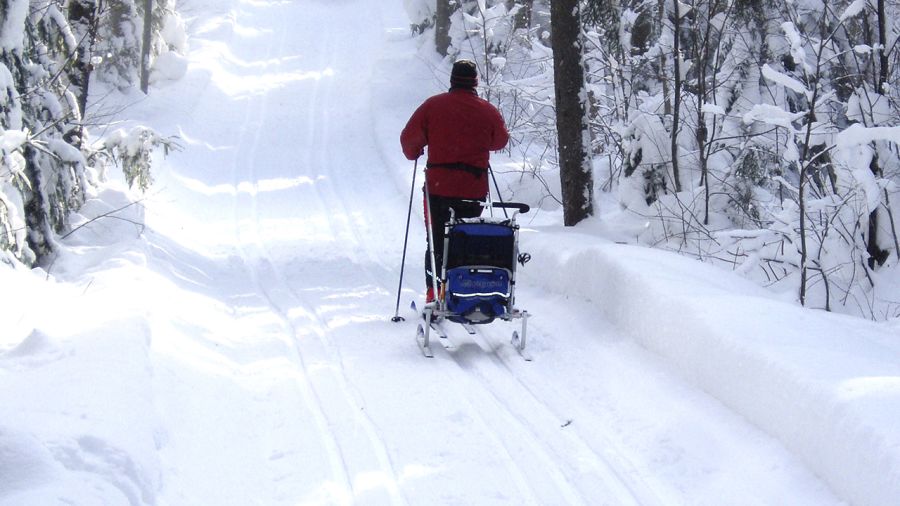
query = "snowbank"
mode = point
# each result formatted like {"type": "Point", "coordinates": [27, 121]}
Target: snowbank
{"type": "Point", "coordinates": [827, 386]}
{"type": "Point", "coordinates": [78, 420]}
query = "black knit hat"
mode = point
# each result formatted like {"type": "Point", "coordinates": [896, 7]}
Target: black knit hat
{"type": "Point", "coordinates": [464, 74]}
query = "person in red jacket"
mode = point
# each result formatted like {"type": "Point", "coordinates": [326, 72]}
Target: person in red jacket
{"type": "Point", "coordinates": [460, 130]}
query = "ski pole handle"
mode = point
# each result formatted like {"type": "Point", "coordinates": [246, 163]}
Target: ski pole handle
{"type": "Point", "coordinates": [522, 208]}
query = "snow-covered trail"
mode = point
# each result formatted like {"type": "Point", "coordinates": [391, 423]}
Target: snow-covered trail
{"type": "Point", "coordinates": [284, 382]}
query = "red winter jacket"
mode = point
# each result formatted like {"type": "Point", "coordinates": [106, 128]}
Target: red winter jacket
{"type": "Point", "coordinates": [459, 128]}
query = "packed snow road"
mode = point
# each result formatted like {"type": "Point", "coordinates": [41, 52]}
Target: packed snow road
{"type": "Point", "coordinates": [288, 384]}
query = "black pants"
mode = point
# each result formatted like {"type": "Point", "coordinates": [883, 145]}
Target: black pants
{"type": "Point", "coordinates": [440, 211]}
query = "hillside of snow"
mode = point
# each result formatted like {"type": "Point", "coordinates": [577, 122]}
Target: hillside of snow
{"type": "Point", "coordinates": [227, 340]}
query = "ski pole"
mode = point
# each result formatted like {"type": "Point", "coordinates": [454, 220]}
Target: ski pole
{"type": "Point", "coordinates": [497, 187]}
{"type": "Point", "coordinates": [397, 317]}
{"type": "Point", "coordinates": [430, 234]}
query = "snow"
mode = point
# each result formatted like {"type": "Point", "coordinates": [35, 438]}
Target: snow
{"type": "Point", "coordinates": [795, 40]}
{"type": "Point", "coordinates": [713, 109]}
{"type": "Point", "coordinates": [772, 115]}
{"type": "Point", "coordinates": [168, 66]}
{"type": "Point", "coordinates": [857, 134]}
{"type": "Point", "coordinates": [228, 340]}
{"type": "Point", "coordinates": [419, 10]}
{"type": "Point", "coordinates": [853, 9]}
{"type": "Point", "coordinates": [11, 140]}
{"type": "Point", "coordinates": [66, 152]}
{"type": "Point", "coordinates": [12, 27]}
{"type": "Point", "coordinates": [783, 79]}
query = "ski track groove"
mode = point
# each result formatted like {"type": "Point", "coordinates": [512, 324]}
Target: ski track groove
{"type": "Point", "coordinates": [607, 462]}
{"type": "Point", "coordinates": [265, 264]}
{"type": "Point", "coordinates": [256, 111]}
{"type": "Point", "coordinates": [498, 429]}
{"type": "Point", "coordinates": [516, 419]}
{"type": "Point", "coordinates": [516, 438]}
{"type": "Point", "coordinates": [352, 395]}
{"type": "Point", "coordinates": [328, 194]}
{"type": "Point", "coordinates": [337, 196]}
{"type": "Point", "coordinates": [613, 455]}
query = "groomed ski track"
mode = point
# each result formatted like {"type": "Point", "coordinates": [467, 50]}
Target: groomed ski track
{"type": "Point", "coordinates": [292, 195]}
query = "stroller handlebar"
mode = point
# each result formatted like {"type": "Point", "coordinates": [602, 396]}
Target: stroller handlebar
{"type": "Point", "coordinates": [522, 208]}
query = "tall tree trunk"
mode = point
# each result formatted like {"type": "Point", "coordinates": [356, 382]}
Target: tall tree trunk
{"type": "Point", "coordinates": [877, 255]}
{"type": "Point", "coordinates": [442, 26]}
{"type": "Point", "coordinates": [805, 165]}
{"type": "Point", "coordinates": [36, 218]}
{"type": "Point", "coordinates": [883, 48]}
{"type": "Point", "coordinates": [702, 133]}
{"type": "Point", "coordinates": [676, 93]}
{"type": "Point", "coordinates": [661, 59]}
{"type": "Point", "coordinates": [146, 44]}
{"type": "Point", "coordinates": [571, 121]}
{"type": "Point", "coordinates": [83, 15]}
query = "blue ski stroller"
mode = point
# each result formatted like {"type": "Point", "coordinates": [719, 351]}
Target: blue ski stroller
{"type": "Point", "coordinates": [478, 275]}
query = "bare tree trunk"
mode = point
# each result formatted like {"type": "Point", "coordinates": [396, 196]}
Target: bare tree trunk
{"type": "Point", "coordinates": [676, 94]}
{"type": "Point", "coordinates": [442, 26]}
{"type": "Point", "coordinates": [667, 102]}
{"type": "Point", "coordinates": [146, 46]}
{"type": "Point", "coordinates": [40, 229]}
{"type": "Point", "coordinates": [877, 255]}
{"type": "Point", "coordinates": [883, 50]}
{"type": "Point", "coordinates": [83, 15]}
{"type": "Point", "coordinates": [708, 68]}
{"type": "Point", "coordinates": [805, 164]}
{"type": "Point", "coordinates": [571, 121]}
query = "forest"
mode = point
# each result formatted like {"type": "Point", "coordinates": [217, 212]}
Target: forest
{"type": "Point", "coordinates": [758, 135]}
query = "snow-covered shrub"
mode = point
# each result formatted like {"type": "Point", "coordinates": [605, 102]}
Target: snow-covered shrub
{"type": "Point", "coordinates": [767, 89]}
{"type": "Point", "coordinates": [133, 150]}
{"type": "Point", "coordinates": [767, 180]}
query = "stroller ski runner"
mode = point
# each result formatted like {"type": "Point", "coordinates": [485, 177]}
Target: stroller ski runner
{"type": "Point", "coordinates": [477, 280]}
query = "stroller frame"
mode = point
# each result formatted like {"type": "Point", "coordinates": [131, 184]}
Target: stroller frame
{"type": "Point", "coordinates": [439, 310]}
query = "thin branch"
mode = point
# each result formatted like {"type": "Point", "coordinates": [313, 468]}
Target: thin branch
{"type": "Point", "coordinates": [109, 214]}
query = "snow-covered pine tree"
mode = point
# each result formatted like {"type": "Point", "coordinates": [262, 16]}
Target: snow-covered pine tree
{"type": "Point", "coordinates": [44, 172]}
{"type": "Point", "coordinates": [48, 49]}
{"type": "Point", "coordinates": [119, 37]}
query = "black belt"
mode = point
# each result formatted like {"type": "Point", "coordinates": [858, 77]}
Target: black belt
{"type": "Point", "coordinates": [471, 169]}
